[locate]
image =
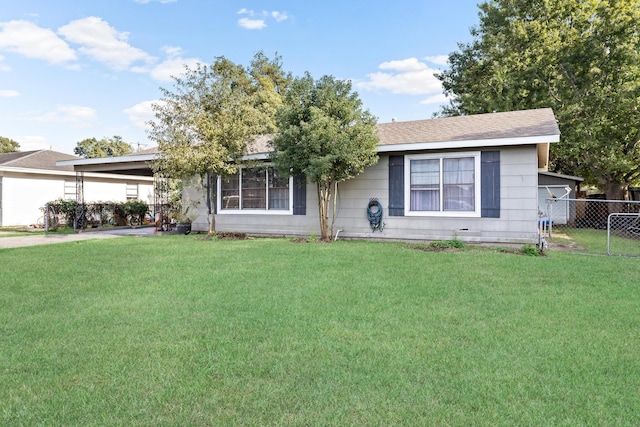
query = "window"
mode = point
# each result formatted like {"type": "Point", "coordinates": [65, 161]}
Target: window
{"type": "Point", "coordinates": [254, 190]}
{"type": "Point", "coordinates": [446, 184]}
{"type": "Point", "coordinates": [132, 191]}
{"type": "Point", "coordinates": [69, 190]}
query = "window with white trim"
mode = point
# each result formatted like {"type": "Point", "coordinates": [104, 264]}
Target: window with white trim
{"type": "Point", "coordinates": [69, 189]}
{"type": "Point", "coordinates": [443, 184]}
{"type": "Point", "coordinates": [132, 191]}
{"type": "Point", "coordinates": [255, 190]}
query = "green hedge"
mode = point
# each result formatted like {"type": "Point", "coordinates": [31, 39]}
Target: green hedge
{"type": "Point", "coordinates": [99, 213]}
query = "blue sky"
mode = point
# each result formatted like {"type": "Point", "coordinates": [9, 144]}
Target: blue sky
{"type": "Point", "coordinates": [76, 69]}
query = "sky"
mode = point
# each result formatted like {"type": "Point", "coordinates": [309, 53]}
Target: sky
{"type": "Point", "coordinates": [77, 69]}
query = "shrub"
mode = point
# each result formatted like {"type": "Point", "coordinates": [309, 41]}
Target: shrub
{"type": "Point", "coordinates": [530, 250]}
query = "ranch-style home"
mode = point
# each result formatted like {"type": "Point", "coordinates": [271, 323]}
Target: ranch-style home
{"type": "Point", "coordinates": [30, 179]}
{"type": "Point", "coordinates": [472, 178]}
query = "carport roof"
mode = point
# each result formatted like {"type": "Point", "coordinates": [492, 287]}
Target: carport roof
{"type": "Point", "coordinates": [134, 164]}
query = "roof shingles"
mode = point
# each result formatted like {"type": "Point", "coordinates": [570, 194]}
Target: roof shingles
{"type": "Point", "coordinates": [39, 159]}
{"type": "Point", "coordinates": [514, 124]}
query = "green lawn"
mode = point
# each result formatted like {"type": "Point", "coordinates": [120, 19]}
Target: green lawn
{"type": "Point", "coordinates": [177, 331]}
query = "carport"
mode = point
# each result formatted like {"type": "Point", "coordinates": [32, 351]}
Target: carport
{"type": "Point", "coordinates": [139, 164]}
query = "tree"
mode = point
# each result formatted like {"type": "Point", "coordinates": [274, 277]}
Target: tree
{"type": "Point", "coordinates": [579, 57]}
{"type": "Point", "coordinates": [324, 134]}
{"type": "Point", "coordinates": [106, 147]}
{"type": "Point", "coordinates": [203, 126]}
{"type": "Point", "coordinates": [8, 145]}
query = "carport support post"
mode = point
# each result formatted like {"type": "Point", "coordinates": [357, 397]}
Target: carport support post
{"type": "Point", "coordinates": [78, 219]}
{"type": "Point", "coordinates": [160, 198]}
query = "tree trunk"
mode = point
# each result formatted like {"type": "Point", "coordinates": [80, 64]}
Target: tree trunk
{"type": "Point", "coordinates": [334, 209]}
{"type": "Point", "coordinates": [324, 198]}
{"type": "Point", "coordinates": [211, 219]}
{"type": "Point", "coordinates": [613, 190]}
{"type": "Point", "coordinates": [211, 196]}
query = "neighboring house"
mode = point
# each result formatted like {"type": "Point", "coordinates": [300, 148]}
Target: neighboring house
{"type": "Point", "coordinates": [552, 187]}
{"type": "Point", "coordinates": [472, 178]}
{"type": "Point", "coordinates": [30, 179]}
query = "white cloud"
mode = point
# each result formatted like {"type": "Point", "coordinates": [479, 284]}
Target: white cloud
{"type": "Point", "coordinates": [141, 113]}
{"type": "Point", "coordinates": [259, 24]}
{"type": "Point", "coordinates": [32, 41]}
{"type": "Point", "coordinates": [8, 93]}
{"type": "Point", "coordinates": [251, 24]}
{"type": "Point", "coordinates": [435, 99]}
{"type": "Point", "coordinates": [279, 16]}
{"type": "Point", "coordinates": [407, 76]}
{"type": "Point", "coordinates": [69, 114]}
{"type": "Point", "coordinates": [442, 60]}
{"type": "Point", "coordinates": [173, 66]}
{"type": "Point", "coordinates": [31, 142]}
{"type": "Point", "coordinates": [404, 65]}
{"type": "Point", "coordinates": [104, 43]}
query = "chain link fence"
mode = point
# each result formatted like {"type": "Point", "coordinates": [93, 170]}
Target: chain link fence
{"type": "Point", "coordinates": [591, 225]}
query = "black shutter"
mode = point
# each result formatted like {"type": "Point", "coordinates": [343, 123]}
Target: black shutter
{"type": "Point", "coordinates": [490, 184]}
{"type": "Point", "coordinates": [299, 195]}
{"type": "Point", "coordinates": [396, 185]}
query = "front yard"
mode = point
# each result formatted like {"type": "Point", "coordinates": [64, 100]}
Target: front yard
{"type": "Point", "coordinates": [180, 331]}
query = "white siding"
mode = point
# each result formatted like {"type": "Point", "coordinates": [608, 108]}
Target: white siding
{"type": "Point", "coordinates": [23, 194]}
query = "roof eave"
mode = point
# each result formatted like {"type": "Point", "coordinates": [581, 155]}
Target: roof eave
{"type": "Point", "coordinates": [108, 160]}
{"type": "Point", "coordinates": [477, 143]}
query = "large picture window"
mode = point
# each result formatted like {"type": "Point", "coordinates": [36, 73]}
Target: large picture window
{"type": "Point", "coordinates": [443, 184]}
{"type": "Point", "coordinates": [255, 190]}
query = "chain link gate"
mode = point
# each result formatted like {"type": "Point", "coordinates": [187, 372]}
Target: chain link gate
{"type": "Point", "coordinates": [592, 225]}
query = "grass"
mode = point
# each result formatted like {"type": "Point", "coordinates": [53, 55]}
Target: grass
{"type": "Point", "coordinates": [173, 330]}
{"type": "Point", "coordinates": [591, 241]}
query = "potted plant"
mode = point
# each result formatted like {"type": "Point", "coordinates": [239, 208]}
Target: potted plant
{"type": "Point", "coordinates": [184, 218]}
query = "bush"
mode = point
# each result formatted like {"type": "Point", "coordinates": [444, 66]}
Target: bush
{"type": "Point", "coordinates": [530, 250]}
{"type": "Point", "coordinates": [100, 213]}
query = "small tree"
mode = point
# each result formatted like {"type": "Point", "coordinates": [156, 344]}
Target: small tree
{"type": "Point", "coordinates": [106, 147]}
{"type": "Point", "coordinates": [8, 145]}
{"type": "Point", "coordinates": [202, 127]}
{"type": "Point", "coordinates": [324, 134]}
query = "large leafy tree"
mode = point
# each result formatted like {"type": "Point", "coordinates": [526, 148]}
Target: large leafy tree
{"type": "Point", "coordinates": [324, 134]}
{"type": "Point", "coordinates": [8, 145]}
{"type": "Point", "coordinates": [580, 57]}
{"type": "Point", "coordinates": [106, 147]}
{"type": "Point", "coordinates": [204, 123]}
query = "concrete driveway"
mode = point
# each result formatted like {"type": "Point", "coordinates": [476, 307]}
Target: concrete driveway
{"type": "Point", "coordinates": [47, 239]}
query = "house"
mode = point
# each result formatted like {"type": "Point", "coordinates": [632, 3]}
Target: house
{"type": "Point", "coordinates": [30, 179]}
{"type": "Point", "coordinates": [472, 178]}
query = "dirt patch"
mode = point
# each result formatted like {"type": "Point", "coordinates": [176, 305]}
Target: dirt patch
{"type": "Point", "coordinates": [230, 235]}
{"type": "Point", "coordinates": [433, 248]}
{"type": "Point", "coordinates": [562, 242]}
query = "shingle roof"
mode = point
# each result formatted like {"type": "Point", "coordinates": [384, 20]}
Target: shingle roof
{"type": "Point", "coordinates": [514, 124]}
{"type": "Point", "coordinates": [39, 159]}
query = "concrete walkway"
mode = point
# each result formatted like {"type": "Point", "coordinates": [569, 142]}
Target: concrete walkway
{"type": "Point", "coordinates": [47, 239]}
